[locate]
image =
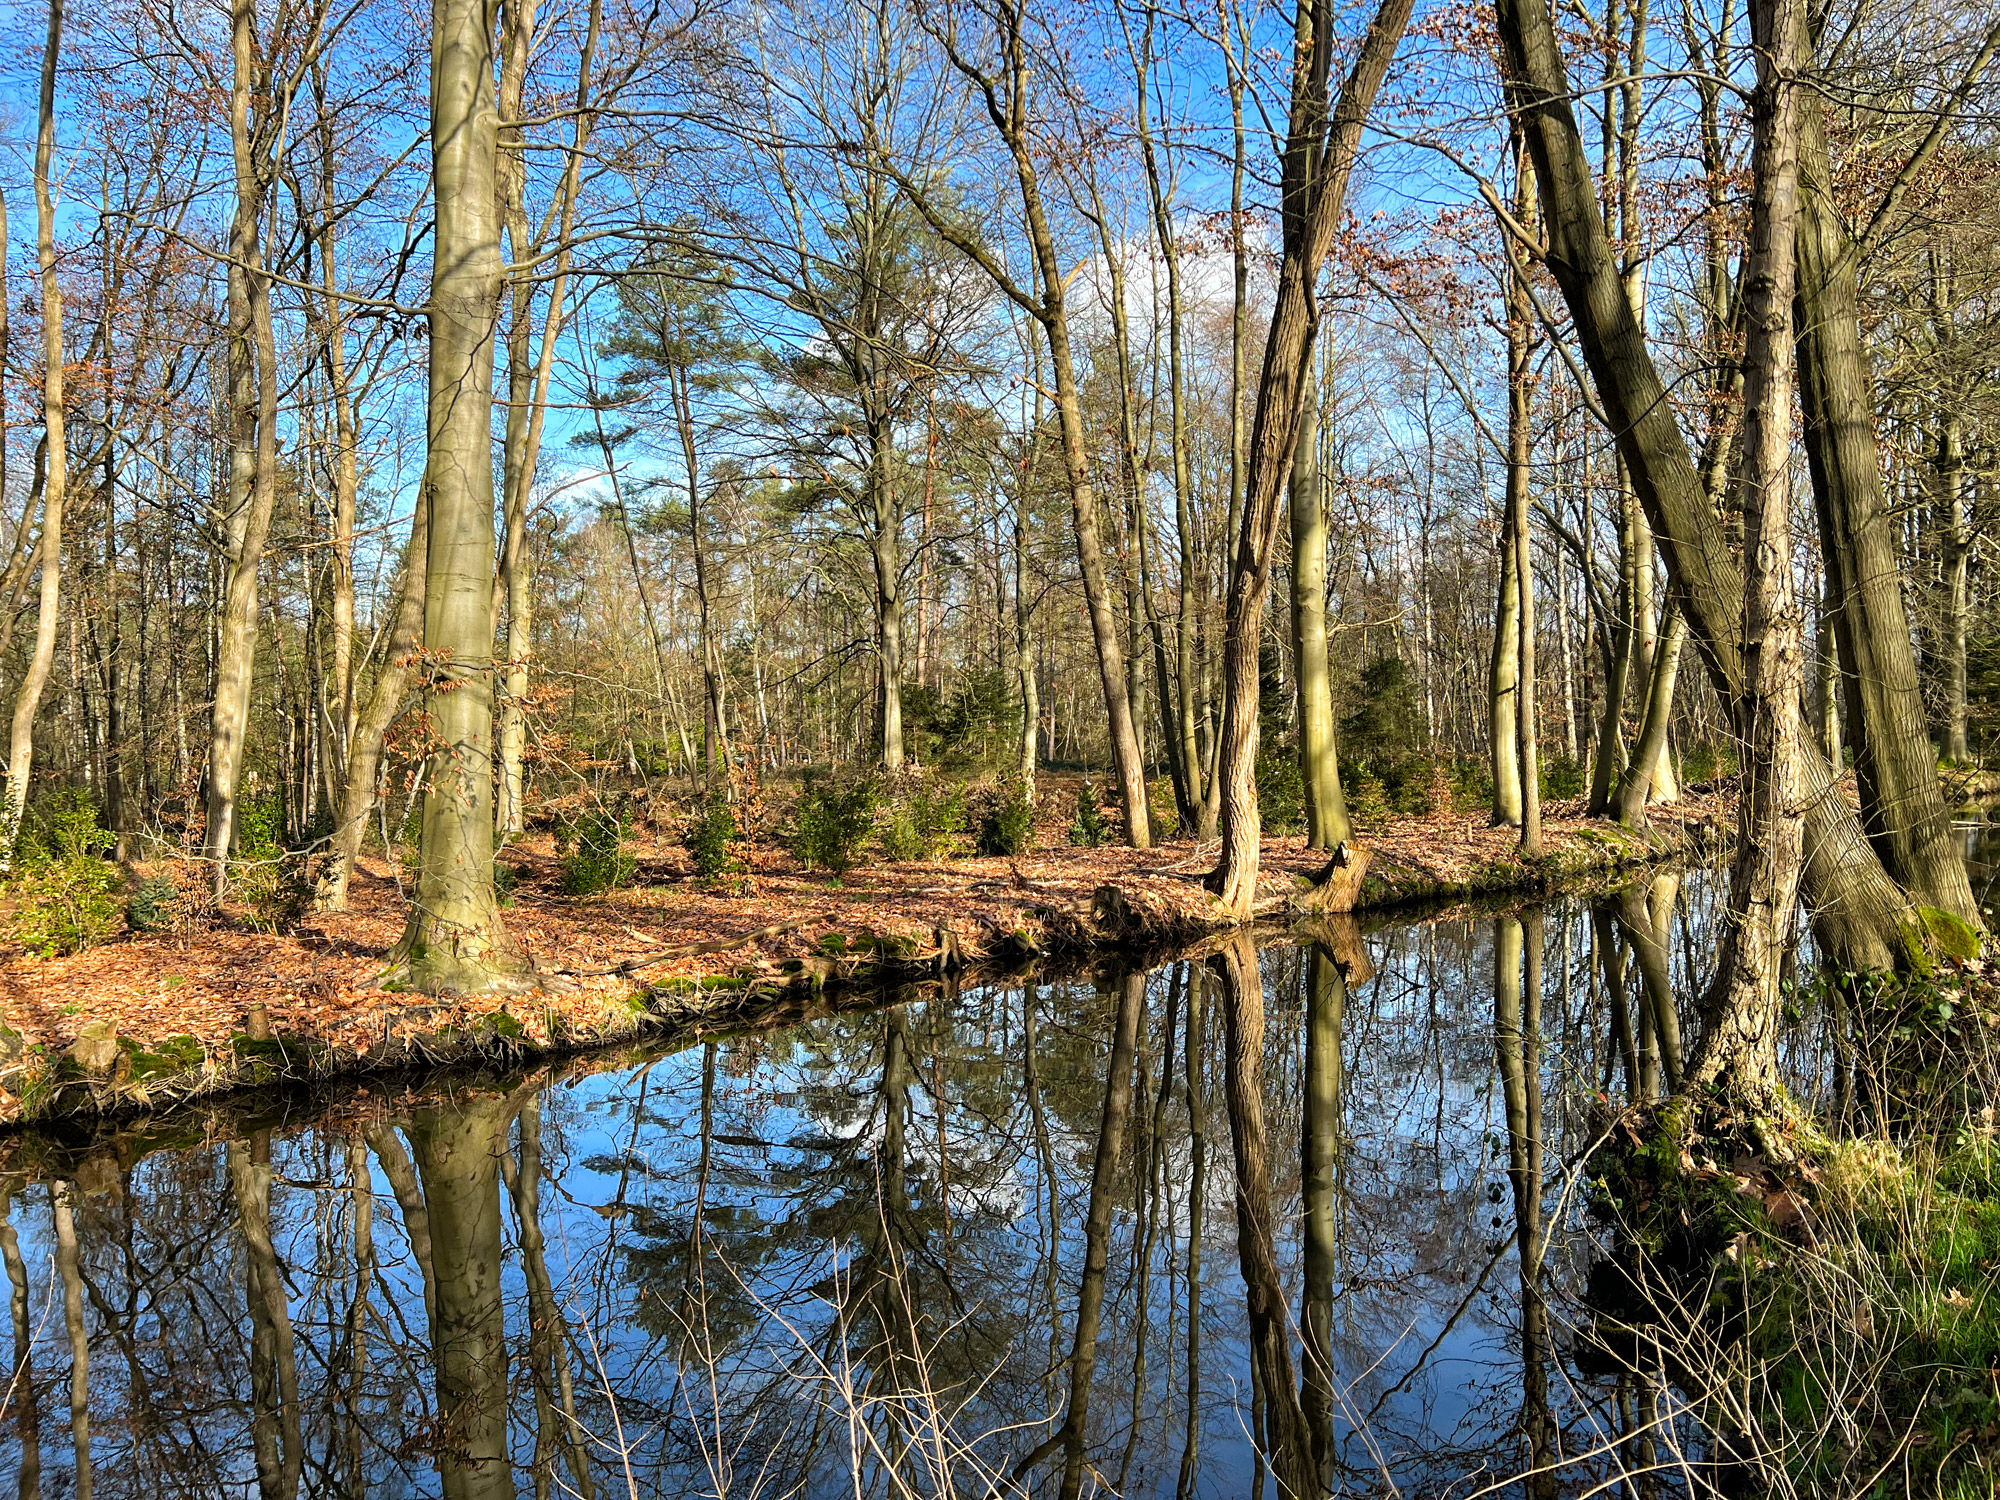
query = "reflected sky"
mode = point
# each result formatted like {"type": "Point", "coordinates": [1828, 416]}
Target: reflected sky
{"type": "Point", "coordinates": [1297, 1220]}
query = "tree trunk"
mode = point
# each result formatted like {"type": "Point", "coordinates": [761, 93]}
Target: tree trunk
{"type": "Point", "coordinates": [1189, 789]}
{"type": "Point", "coordinates": [55, 481]}
{"type": "Point", "coordinates": [886, 548]}
{"type": "Point", "coordinates": [1609, 762]}
{"type": "Point", "coordinates": [1648, 754]}
{"type": "Point", "coordinates": [1503, 676]}
{"type": "Point", "coordinates": [527, 397]}
{"type": "Point", "coordinates": [1319, 156]}
{"type": "Point", "coordinates": [1739, 1041]}
{"type": "Point", "coordinates": [456, 941]}
{"type": "Point", "coordinates": [1861, 914]}
{"type": "Point", "coordinates": [1954, 558]}
{"type": "Point", "coordinates": [1519, 436]}
{"type": "Point", "coordinates": [253, 444]}
{"type": "Point", "coordinates": [1895, 764]}
{"type": "Point", "coordinates": [364, 753]}
{"type": "Point", "coordinates": [1319, 759]}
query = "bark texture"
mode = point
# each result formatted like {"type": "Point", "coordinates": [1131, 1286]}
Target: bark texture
{"type": "Point", "coordinates": [1860, 913]}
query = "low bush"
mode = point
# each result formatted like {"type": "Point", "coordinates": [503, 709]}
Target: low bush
{"type": "Point", "coordinates": [506, 880]}
{"type": "Point", "coordinates": [1281, 789]}
{"type": "Point", "coordinates": [66, 891]}
{"type": "Point", "coordinates": [1367, 800]}
{"type": "Point", "coordinates": [591, 857]}
{"type": "Point", "coordinates": [269, 879]}
{"type": "Point", "coordinates": [922, 814]}
{"type": "Point", "coordinates": [711, 838]}
{"type": "Point", "coordinates": [1006, 821]}
{"type": "Point", "coordinates": [152, 907]}
{"type": "Point", "coordinates": [833, 819]}
{"type": "Point", "coordinates": [1562, 776]}
{"type": "Point", "coordinates": [1088, 829]}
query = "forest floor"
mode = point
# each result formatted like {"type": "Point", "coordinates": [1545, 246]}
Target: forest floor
{"type": "Point", "coordinates": [150, 1018]}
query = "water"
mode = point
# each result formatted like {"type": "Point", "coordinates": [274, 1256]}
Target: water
{"type": "Point", "coordinates": [1085, 1230]}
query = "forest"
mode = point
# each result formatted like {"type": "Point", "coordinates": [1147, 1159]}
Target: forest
{"type": "Point", "coordinates": [642, 518]}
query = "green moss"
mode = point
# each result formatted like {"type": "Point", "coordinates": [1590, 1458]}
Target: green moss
{"type": "Point", "coordinates": [505, 1025]}
{"type": "Point", "coordinates": [1950, 935]}
{"type": "Point", "coordinates": [175, 1055]}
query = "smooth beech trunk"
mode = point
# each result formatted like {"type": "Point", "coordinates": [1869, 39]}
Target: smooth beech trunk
{"type": "Point", "coordinates": [1319, 758]}
{"type": "Point", "coordinates": [528, 381]}
{"type": "Point", "coordinates": [364, 748]}
{"type": "Point", "coordinates": [252, 399]}
{"type": "Point", "coordinates": [456, 941]}
{"type": "Point", "coordinates": [55, 461]}
{"type": "Point", "coordinates": [1503, 678]}
{"type": "Point", "coordinates": [1649, 753]}
{"type": "Point", "coordinates": [1320, 149]}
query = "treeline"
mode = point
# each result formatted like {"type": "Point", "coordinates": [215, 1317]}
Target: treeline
{"type": "Point", "coordinates": [595, 391]}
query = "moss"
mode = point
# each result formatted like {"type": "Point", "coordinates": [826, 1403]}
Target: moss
{"type": "Point", "coordinates": [505, 1025]}
{"type": "Point", "coordinates": [1950, 935]}
{"type": "Point", "coordinates": [175, 1055]}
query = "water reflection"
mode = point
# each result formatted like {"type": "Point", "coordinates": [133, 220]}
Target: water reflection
{"type": "Point", "coordinates": [982, 1243]}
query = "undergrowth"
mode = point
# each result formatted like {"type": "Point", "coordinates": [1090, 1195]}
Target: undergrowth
{"type": "Point", "coordinates": [65, 890]}
{"type": "Point", "coordinates": [1834, 1319]}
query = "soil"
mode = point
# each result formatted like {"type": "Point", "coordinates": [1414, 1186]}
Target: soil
{"type": "Point", "coordinates": [215, 1005]}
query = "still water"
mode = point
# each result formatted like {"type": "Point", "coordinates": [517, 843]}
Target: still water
{"type": "Point", "coordinates": [1113, 1233]}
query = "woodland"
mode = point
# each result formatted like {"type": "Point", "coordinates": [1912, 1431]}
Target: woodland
{"type": "Point", "coordinates": [782, 421]}
{"type": "Point", "coordinates": [465, 466]}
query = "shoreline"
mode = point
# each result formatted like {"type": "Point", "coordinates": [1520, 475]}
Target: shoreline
{"type": "Point", "coordinates": [204, 1014]}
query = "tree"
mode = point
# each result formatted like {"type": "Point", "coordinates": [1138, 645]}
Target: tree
{"type": "Point", "coordinates": [1321, 145]}
{"type": "Point", "coordinates": [1002, 85]}
{"type": "Point", "coordinates": [456, 941]}
{"type": "Point", "coordinates": [671, 333]}
{"type": "Point", "coordinates": [55, 453]}
{"type": "Point", "coordinates": [1860, 912]}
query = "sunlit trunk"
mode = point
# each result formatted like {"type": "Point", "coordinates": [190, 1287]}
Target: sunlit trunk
{"type": "Point", "coordinates": [456, 941]}
{"type": "Point", "coordinates": [55, 464]}
{"type": "Point", "coordinates": [1319, 156]}
{"type": "Point", "coordinates": [1319, 761]}
{"type": "Point", "coordinates": [1895, 764]}
{"type": "Point", "coordinates": [364, 748]}
{"type": "Point", "coordinates": [253, 444]}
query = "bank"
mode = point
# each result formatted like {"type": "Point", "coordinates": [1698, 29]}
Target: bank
{"type": "Point", "coordinates": [209, 1005]}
